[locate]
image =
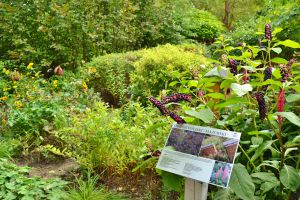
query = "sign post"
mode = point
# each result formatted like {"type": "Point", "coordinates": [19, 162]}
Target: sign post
{"type": "Point", "coordinates": [195, 190]}
{"type": "Point", "coordinates": [201, 154]}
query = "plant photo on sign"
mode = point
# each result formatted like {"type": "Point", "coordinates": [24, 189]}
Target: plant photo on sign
{"type": "Point", "coordinates": [220, 173]}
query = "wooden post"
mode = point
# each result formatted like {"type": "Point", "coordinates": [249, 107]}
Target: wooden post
{"type": "Point", "coordinates": [195, 190]}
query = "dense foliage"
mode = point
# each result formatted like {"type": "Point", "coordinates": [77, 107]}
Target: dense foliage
{"type": "Point", "coordinates": [142, 73]}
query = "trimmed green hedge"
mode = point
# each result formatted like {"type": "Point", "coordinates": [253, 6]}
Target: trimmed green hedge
{"type": "Point", "coordinates": [201, 25]}
{"type": "Point", "coordinates": [142, 73]}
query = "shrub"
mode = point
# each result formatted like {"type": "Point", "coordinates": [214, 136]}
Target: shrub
{"type": "Point", "coordinates": [201, 25]}
{"type": "Point", "coordinates": [100, 137]}
{"type": "Point", "coordinates": [144, 72]}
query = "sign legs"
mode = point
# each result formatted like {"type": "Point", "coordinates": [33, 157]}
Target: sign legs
{"type": "Point", "coordinates": [195, 190]}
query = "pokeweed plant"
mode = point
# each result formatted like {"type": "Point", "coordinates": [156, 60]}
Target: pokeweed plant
{"type": "Point", "coordinates": [254, 91]}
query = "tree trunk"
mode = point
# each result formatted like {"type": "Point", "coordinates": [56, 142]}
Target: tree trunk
{"type": "Point", "coordinates": [227, 14]}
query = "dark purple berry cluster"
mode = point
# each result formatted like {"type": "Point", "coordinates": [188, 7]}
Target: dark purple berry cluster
{"type": "Point", "coordinates": [159, 105]}
{"type": "Point", "coordinates": [268, 32]}
{"type": "Point", "coordinates": [233, 66]}
{"type": "Point", "coordinates": [177, 97]}
{"type": "Point", "coordinates": [261, 105]}
{"type": "Point", "coordinates": [268, 75]}
{"type": "Point", "coordinates": [176, 118]}
{"type": "Point", "coordinates": [284, 73]}
{"type": "Point", "coordinates": [290, 63]}
{"type": "Point", "coordinates": [171, 98]}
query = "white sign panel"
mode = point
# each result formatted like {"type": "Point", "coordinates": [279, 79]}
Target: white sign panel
{"type": "Point", "coordinates": [200, 153]}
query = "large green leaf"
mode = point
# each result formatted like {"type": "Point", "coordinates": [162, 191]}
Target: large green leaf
{"type": "Point", "coordinates": [205, 114]}
{"type": "Point", "coordinates": [216, 95]}
{"type": "Point", "coordinates": [240, 90]}
{"type": "Point", "coordinates": [277, 50]}
{"type": "Point", "coordinates": [291, 117]}
{"type": "Point", "coordinates": [241, 182]}
{"type": "Point", "coordinates": [279, 60]}
{"type": "Point", "coordinates": [260, 149]}
{"type": "Point", "coordinates": [265, 176]}
{"type": "Point", "coordinates": [293, 97]}
{"type": "Point", "coordinates": [232, 101]}
{"type": "Point", "coordinates": [288, 43]}
{"type": "Point", "coordinates": [290, 178]}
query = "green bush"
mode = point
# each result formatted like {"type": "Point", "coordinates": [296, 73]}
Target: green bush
{"type": "Point", "coordinates": [201, 25]}
{"type": "Point", "coordinates": [100, 137]}
{"type": "Point", "coordinates": [142, 73]}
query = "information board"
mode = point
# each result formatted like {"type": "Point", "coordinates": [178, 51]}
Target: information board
{"type": "Point", "coordinates": [200, 153]}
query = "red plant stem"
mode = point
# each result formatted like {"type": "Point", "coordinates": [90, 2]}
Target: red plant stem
{"type": "Point", "coordinates": [245, 78]}
{"type": "Point", "coordinates": [280, 108]}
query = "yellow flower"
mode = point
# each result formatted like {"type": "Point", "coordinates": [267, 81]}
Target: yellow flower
{"type": "Point", "coordinates": [55, 83]}
{"type": "Point", "coordinates": [6, 71]}
{"type": "Point", "coordinates": [3, 98]}
{"type": "Point", "coordinates": [29, 66]}
{"type": "Point", "coordinates": [84, 86]}
{"type": "Point", "coordinates": [92, 70]}
{"type": "Point", "coordinates": [18, 104]}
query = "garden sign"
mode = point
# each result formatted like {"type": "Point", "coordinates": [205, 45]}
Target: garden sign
{"type": "Point", "coordinates": [200, 153]}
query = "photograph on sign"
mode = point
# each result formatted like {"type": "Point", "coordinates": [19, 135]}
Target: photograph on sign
{"type": "Point", "coordinates": [185, 141]}
{"type": "Point", "coordinates": [220, 174]}
{"type": "Point", "coordinates": [200, 153]}
{"type": "Point", "coordinates": [218, 148]}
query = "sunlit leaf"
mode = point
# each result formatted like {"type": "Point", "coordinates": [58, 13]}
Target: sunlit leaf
{"type": "Point", "coordinates": [240, 90]}
{"type": "Point", "coordinates": [241, 182]}
{"type": "Point", "coordinates": [291, 117]}
{"type": "Point", "coordinates": [290, 178]}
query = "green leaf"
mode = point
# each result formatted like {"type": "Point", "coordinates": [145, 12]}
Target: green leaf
{"type": "Point", "coordinates": [296, 139]}
{"type": "Point", "coordinates": [279, 60]}
{"type": "Point", "coordinates": [205, 115]}
{"type": "Point", "coordinates": [236, 101]}
{"type": "Point", "coordinates": [265, 176]}
{"type": "Point", "coordinates": [261, 148]}
{"type": "Point", "coordinates": [288, 43]}
{"type": "Point", "coordinates": [272, 82]}
{"type": "Point", "coordinates": [266, 133]}
{"type": "Point", "coordinates": [226, 83]}
{"type": "Point", "coordinates": [290, 178]}
{"type": "Point", "coordinates": [241, 182]}
{"type": "Point", "coordinates": [217, 71]}
{"type": "Point", "coordinates": [276, 73]}
{"type": "Point", "coordinates": [173, 83]}
{"type": "Point", "coordinates": [216, 95]}
{"type": "Point", "coordinates": [223, 193]}
{"type": "Point", "coordinates": [277, 50]}
{"type": "Point", "coordinates": [250, 68]}
{"type": "Point", "coordinates": [267, 186]}
{"type": "Point", "coordinates": [291, 117]}
{"type": "Point", "coordinates": [277, 30]}
{"type": "Point", "coordinates": [289, 150]}
{"type": "Point", "coordinates": [172, 181]}
{"type": "Point", "coordinates": [293, 97]}
{"type": "Point", "coordinates": [240, 90]}
{"type": "Point", "coordinates": [193, 83]}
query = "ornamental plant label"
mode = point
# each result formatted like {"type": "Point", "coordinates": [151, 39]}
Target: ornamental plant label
{"type": "Point", "coordinates": [200, 153]}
